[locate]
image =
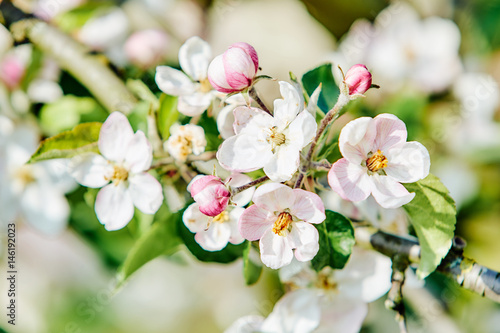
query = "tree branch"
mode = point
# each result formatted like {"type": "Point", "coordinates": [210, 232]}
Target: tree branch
{"type": "Point", "coordinates": [72, 57]}
{"type": "Point", "coordinates": [466, 272]}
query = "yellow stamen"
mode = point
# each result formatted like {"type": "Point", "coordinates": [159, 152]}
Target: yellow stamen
{"type": "Point", "coordinates": [376, 162]}
{"type": "Point", "coordinates": [205, 86]}
{"type": "Point", "coordinates": [119, 174]}
{"type": "Point", "coordinates": [276, 138]}
{"type": "Point", "coordinates": [282, 224]}
{"type": "Point", "coordinates": [222, 217]}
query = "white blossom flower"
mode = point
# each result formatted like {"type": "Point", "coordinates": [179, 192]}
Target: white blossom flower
{"type": "Point", "coordinates": [213, 233]}
{"type": "Point", "coordinates": [270, 142]}
{"type": "Point", "coordinates": [34, 192]}
{"type": "Point", "coordinates": [376, 160]}
{"type": "Point", "coordinates": [185, 140]}
{"type": "Point", "coordinates": [193, 88]}
{"type": "Point", "coordinates": [124, 162]}
{"type": "Point", "coordinates": [281, 219]}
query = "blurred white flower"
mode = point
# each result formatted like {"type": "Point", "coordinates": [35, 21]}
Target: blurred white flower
{"type": "Point", "coordinates": [48, 9]}
{"type": "Point", "coordinates": [125, 159]}
{"type": "Point", "coordinates": [148, 47]}
{"type": "Point", "coordinates": [105, 31]}
{"type": "Point", "coordinates": [270, 142]}
{"type": "Point", "coordinates": [192, 86]}
{"type": "Point", "coordinates": [185, 140]}
{"type": "Point", "coordinates": [34, 192]}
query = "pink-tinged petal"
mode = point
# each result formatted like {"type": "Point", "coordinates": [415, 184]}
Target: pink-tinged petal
{"type": "Point", "coordinates": [173, 82]}
{"type": "Point", "coordinates": [146, 192]}
{"type": "Point", "coordinates": [115, 137]}
{"type": "Point", "coordinates": [304, 238]}
{"type": "Point", "coordinates": [215, 238]}
{"type": "Point", "coordinates": [194, 57]}
{"type": "Point", "coordinates": [356, 139]}
{"type": "Point", "coordinates": [243, 153]}
{"type": "Point", "coordinates": [250, 51]}
{"type": "Point", "coordinates": [234, 217]}
{"type": "Point", "coordinates": [341, 314]}
{"type": "Point", "coordinates": [358, 79]}
{"type": "Point", "coordinates": [195, 220]}
{"type": "Point", "coordinates": [254, 222]}
{"type": "Point", "coordinates": [217, 75]}
{"type": "Point", "coordinates": [238, 67]}
{"type": "Point", "coordinates": [274, 197]}
{"type": "Point", "coordinates": [202, 182]}
{"type": "Point", "coordinates": [287, 108]}
{"type": "Point", "coordinates": [213, 200]}
{"type": "Point", "coordinates": [114, 207]}
{"type": "Point", "coordinates": [389, 193]}
{"type": "Point", "coordinates": [91, 170]}
{"type": "Point", "coordinates": [275, 252]}
{"type": "Point", "coordinates": [349, 180]}
{"type": "Point", "coordinates": [408, 163]}
{"type": "Point", "coordinates": [296, 312]}
{"type": "Point", "coordinates": [139, 154]}
{"type": "Point", "coordinates": [391, 131]}
{"type": "Point", "coordinates": [194, 104]}
{"type": "Point", "coordinates": [302, 130]}
{"type": "Point", "coordinates": [283, 164]}
{"type": "Point", "coordinates": [244, 116]}
{"type": "Point", "coordinates": [308, 206]}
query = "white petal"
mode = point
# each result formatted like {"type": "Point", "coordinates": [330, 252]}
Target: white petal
{"type": "Point", "coordinates": [195, 220]}
{"type": "Point", "coordinates": [173, 82]}
{"type": "Point", "coordinates": [225, 120]}
{"type": "Point", "coordinates": [274, 197]}
{"type": "Point", "coordinates": [296, 312]}
{"type": "Point", "coordinates": [234, 216]}
{"type": "Point", "coordinates": [283, 164]}
{"type": "Point", "coordinates": [91, 170]}
{"type": "Point", "coordinates": [408, 163]}
{"type": "Point", "coordinates": [115, 137]}
{"type": "Point", "coordinates": [275, 252]}
{"type": "Point", "coordinates": [215, 238]}
{"type": "Point", "coordinates": [146, 192]}
{"type": "Point", "coordinates": [253, 118]}
{"type": "Point", "coordinates": [194, 56]}
{"type": "Point", "coordinates": [349, 180]}
{"type": "Point", "coordinates": [304, 238]}
{"type": "Point", "coordinates": [114, 207]}
{"type": "Point", "coordinates": [302, 129]}
{"type": "Point", "coordinates": [391, 131]}
{"type": "Point", "coordinates": [194, 104]}
{"type": "Point", "coordinates": [341, 314]}
{"type": "Point", "coordinates": [247, 324]}
{"type": "Point", "coordinates": [242, 198]}
{"type": "Point", "coordinates": [389, 193]}
{"type": "Point", "coordinates": [45, 208]}
{"type": "Point", "coordinates": [286, 109]}
{"type": "Point", "coordinates": [356, 139]}
{"type": "Point", "coordinates": [243, 153]}
{"type": "Point", "coordinates": [139, 153]}
{"type": "Point", "coordinates": [308, 206]}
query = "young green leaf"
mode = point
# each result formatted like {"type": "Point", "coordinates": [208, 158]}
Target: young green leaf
{"type": "Point", "coordinates": [167, 114]}
{"type": "Point", "coordinates": [160, 239]}
{"type": "Point", "coordinates": [83, 138]}
{"type": "Point", "coordinates": [329, 92]}
{"type": "Point", "coordinates": [252, 266]}
{"type": "Point", "coordinates": [433, 216]}
{"type": "Point", "coordinates": [336, 239]}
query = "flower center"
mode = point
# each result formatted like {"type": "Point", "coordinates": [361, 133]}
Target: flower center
{"type": "Point", "coordinates": [282, 224]}
{"type": "Point", "coordinates": [376, 161]}
{"type": "Point", "coordinates": [119, 174]}
{"type": "Point", "coordinates": [222, 217]}
{"type": "Point", "coordinates": [24, 175]}
{"type": "Point", "coordinates": [325, 281]}
{"type": "Point", "coordinates": [276, 138]}
{"type": "Point", "coordinates": [205, 86]}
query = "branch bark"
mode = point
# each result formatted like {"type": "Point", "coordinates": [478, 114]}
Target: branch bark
{"type": "Point", "coordinates": [466, 272]}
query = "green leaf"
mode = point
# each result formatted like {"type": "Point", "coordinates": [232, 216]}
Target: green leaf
{"type": "Point", "coordinates": [167, 114]}
{"type": "Point", "coordinates": [329, 92]}
{"type": "Point", "coordinates": [252, 266]}
{"type": "Point", "coordinates": [228, 254]}
{"type": "Point", "coordinates": [68, 111]}
{"type": "Point", "coordinates": [433, 216]}
{"type": "Point", "coordinates": [83, 138]}
{"type": "Point", "coordinates": [336, 239]}
{"type": "Point", "coordinates": [160, 239]}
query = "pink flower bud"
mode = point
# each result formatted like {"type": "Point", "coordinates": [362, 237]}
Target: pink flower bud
{"type": "Point", "coordinates": [147, 48]}
{"type": "Point", "coordinates": [235, 69]}
{"type": "Point", "coordinates": [12, 71]}
{"type": "Point", "coordinates": [211, 194]}
{"type": "Point", "coordinates": [358, 79]}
